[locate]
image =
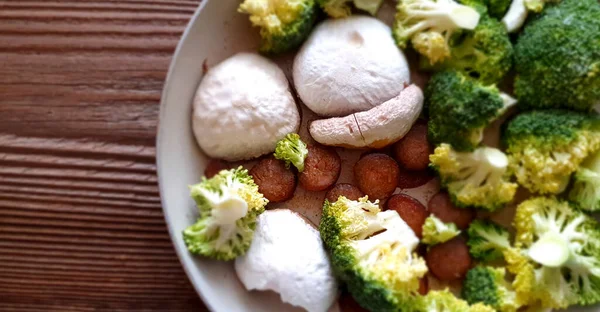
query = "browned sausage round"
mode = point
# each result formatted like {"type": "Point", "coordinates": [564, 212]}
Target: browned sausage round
{"type": "Point", "coordinates": [410, 210]}
{"type": "Point", "coordinates": [423, 286]}
{"type": "Point", "coordinates": [377, 175]}
{"type": "Point", "coordinates": [441, 206]}
{"type": "Point", "coordinates": [344, 189]}
{"type": "Point", "coordinates": [322, 168]}
{"type": "Point", "coordinates": [348, 304]}
{"type": "Point", "coordinates": [276, 182]}
{"type": "Point", "coordinates": [450, 260]}
{"type": "Point", "coordinates": [411, 179]}
{"type": "Point", "coordinates": [412, 152]}
{"type": "Point", "coordinates": [215, 166]}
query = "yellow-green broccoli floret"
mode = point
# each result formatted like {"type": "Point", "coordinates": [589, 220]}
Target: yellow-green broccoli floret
{"type": "Point", "coordinates": [343, 8]}
{"type": "Point", "coordinates": [445, 301]}
{"type": "Point", "coordinates": [435, 231]}
{"type": "Point", "coordinates": [460, 108]}
{"type": "Point", "coordinates": [545, 147]}
{"type": "Point", "coordinates": [284, 24]}
{"type": "Point", "coordinates": [372, 252]}
{"type": "Point", "coordinates": [585, 191]}
{"type": "Point", "coordinates": [292, 150]}
{"type": "Point", "coordinates": [488, 285]}
{"type": "Point", "coordinates": [487, 240]}
{"type": "Point", "coordinates": [476, 179]}
{"type": "Point", "coordinates": [557, 256]}
{"type": "Point", "coordinates": [429, 25]}
{"type": "Point", "coordinates": [228, 204]}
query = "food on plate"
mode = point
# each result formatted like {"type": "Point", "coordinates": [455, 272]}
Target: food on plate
{"type": "Point", "coordinates": [423, 286]}
{"type": "Point", "coordinates": [557, 58]}
{"type": "Point", "coordinates": [284, 24]}
{"type": "Point", "coordinates": [428, 25]}
{"type": "Point", "coordinates": [516, 15]}
{"type": "Point", "coordinates": [342, 8]}
{"type": "Point", "coordinates": [376, 175]}
{"type": "Point", "coordinates": [287, 256]}
{"type": "Point", "coordinates": [215, 166]}
{"type": "Point", "coordinates": [372, 253]}
{"type": "Point", "coordinates": [585, 191]}
{"type": "Point", "coordinates": [495, 8]}
{"type": "Point", "coordinates": [460, 108]}
{"type": "Point", "coordinates": [489, 286]}
{"type": "Point", "coordinates": [412, 151]}
{"type": "Point", "coordinates": [408, 179]}
{"type": "Point", "coordinates": [322, 168]}
{"type": "Point", "coordinates": [441, 206]}
{"type": "Point", "coordinates": [445, 301]}
{"type": "Point", "coordinates": [347, 190]}
{"type": "Point", "coordinates": [449, 261]}
{"type": "Point", "coordinates": [545, 147]}
{"type": "Point", "coordinates": [376, 128]}
{"type": "Point", "coordinates": [435, 231]}
{"type": "Point", "coordinates": [410, 210]}
{"type": "Point", "coordinates": [556, 254]}
{"type": "Point", "coordinates": [485, 53]}
{"type": "Point", "coordinates": [229, 204]}
{"type": "Point", "coordinates": [292, 150]}
{"type": "Point", "coordinates": [348, 304]}
{"type": "Point", "coordinates": [276, 182]}
{"type": "Point", "coordinates": [243, 106]}
{"type": "Point", "coordinates": [487, 240]}
{"type": "Point", "coordinates": [349, 65]}
{"type": "Point", "coordinates": [478, 179]}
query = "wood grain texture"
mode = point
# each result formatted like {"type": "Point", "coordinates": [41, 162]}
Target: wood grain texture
{"type": "Point", "coordinates": [81, 226]}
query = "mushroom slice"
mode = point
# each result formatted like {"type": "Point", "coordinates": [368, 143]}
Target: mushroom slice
{"type": "Point", "coordinates": [375, 128]}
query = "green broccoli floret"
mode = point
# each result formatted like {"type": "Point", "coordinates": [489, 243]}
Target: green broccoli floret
{"type": "Point", "coordinates": [284, 24]}
{"type": "Point", "coordinates": [445, 301]}
{"type": "Point", "coordinates": [435, 231]}
{"type": "Point", "coordinates": [586, 185]}
{"type": "Point", "coordinates": [372, 252]}
{"type": "Point", "coordinates": [292, 150]}
{"type": "Point", "coordinates": [487, 240]}
{"type": "Point", "coordinates": [460, 108]}
{"type": "Point", "coordinates": [475, 179]}
{"type": "Point", "coordinates": [228, 204]}
{"type": "Point", "coordinates": [342, 8]}
{"type": "Point", "coordinates": [487, 285]}
{"type": "Point", "coordinates": [545, 147]}
{"type": "Point", "coordinates": [429, 25]}
{"type": "Point", "coordinates": [557, 58]}
{"type": "Point", "coordinates": [495, 8]}
{"type": "Point", "coordinates": [485, 53]}
{"type": "Point", "coordinates": [556, 261]}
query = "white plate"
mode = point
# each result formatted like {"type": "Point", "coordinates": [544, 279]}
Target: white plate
{"type": "Point", "coordinates": [216, 32]}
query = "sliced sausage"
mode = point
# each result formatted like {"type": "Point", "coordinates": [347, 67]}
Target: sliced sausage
{"type": "Point", "coordinates": [449, 261]}
{"type": "Point", "coordinates": [377, 175]}
{"type": "Point", "coordinates": [322, 168]}
{"type": "Point", "coordinates": [348, 304]}
{"type": "Point", "coordinates": [410, 210]}
{"type": "Point", "coordinates": [409, 179]}
{"type": "Point", "coordinates": [276, 182]}
{"type": "Point", "coordinates": [215, 166]}
{"type": "Point", "coordinates": [441, 206]}
{"type": "Point", "coordinates": [344, 189]}
{"type": "Point", "coordinates": [412, 152]}
{"type": "Point", "coordinates": [423, 286]}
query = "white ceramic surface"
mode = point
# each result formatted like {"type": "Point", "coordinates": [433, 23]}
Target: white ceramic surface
{"type": "Point", "coordinates": [216, 32]}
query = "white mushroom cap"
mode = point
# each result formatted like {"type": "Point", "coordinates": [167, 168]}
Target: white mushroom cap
{"type": "Point", "coordinates": [243, 106]}
{"type": "Point", "coordinates": [349, 65]}
{"type": "Point", "coordinates": [287, 256]}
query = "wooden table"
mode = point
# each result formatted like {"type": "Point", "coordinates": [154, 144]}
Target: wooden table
{"type": "Point", "coordinates": [81, 226]}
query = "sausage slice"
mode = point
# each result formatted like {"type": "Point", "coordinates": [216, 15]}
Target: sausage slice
{"type": "Point", "coordinates": [276, 182]}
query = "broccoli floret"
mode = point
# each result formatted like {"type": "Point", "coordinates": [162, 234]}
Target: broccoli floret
{"type": "Point", "coordinates": [228, 204]}
{"type": "Point", "coordinates": [485, 53]}
{"type": "Point", "coordinates": [292, 150]}
{"type": "Point", "coordinates": [372, 252]}
{"type": "Point", "coordinates": [435, 231]}
{"type": "Point", "coordinates": [545, 147]}
{"type": "Point", "coordinates": [557, 58]}
{"type": "Point", "coordinates": [284, 24]}
{"type": "Point", "coordinates": [474, 179]}
{"type": "Point", "coordinates": [586, 185]}
{"type": "Point", "coordinates": [342, 8]}
{"type": "Point", "coordinates": [487, 240]}
{"type": "Point", "coordinates": [445, 301]}
{"type": "Point", "coordinates": [460, 108]}
{"type": "Point", "coordinates": [429, 25]}
{"type": "Point", "coordinates": [557, 256]}
{"type": "Point", "coordinates": [487, 285]}
{"type": "Point", "coordinates": [495, 8]}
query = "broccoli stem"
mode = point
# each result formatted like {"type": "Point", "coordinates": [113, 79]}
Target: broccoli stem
{"type": "Point", "coordinates": [508, 100]}
{"type": "Point", "coordinates": [550, 250]}
{"type": "Point", "coordinates": [515, 16]}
